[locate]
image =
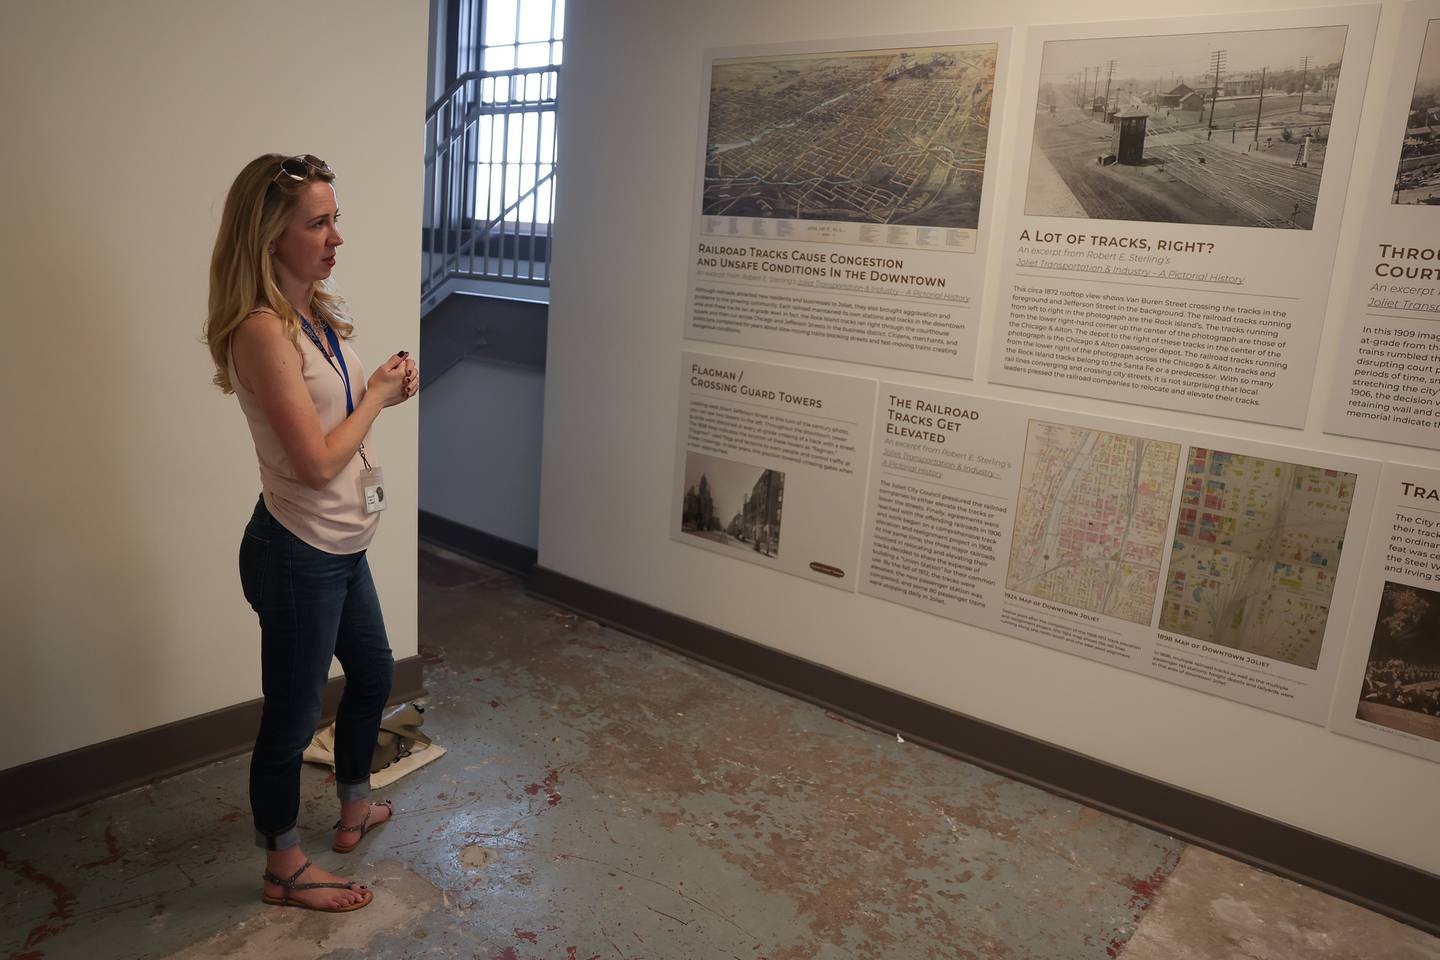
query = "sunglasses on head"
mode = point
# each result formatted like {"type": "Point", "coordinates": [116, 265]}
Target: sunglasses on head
{"type": "Point", "coordinates": [301, 167]}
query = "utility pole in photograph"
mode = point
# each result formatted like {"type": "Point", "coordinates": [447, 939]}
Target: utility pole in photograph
{"type": "Point", "coordinates": [1304, 70]}
{"type": "Point", "coordinates": [1217, 61]}
{"type": "Point", "coordinates": [1259, 106]}
{"type": "Point", "coordinates": [1110, 72]}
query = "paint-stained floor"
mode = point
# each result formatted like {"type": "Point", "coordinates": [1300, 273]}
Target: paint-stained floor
{"type": "Point", "coordinates": [604, 798]}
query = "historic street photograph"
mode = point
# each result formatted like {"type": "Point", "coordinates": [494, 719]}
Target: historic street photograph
{"type": "Point", "coordinates": [1228, 129]}
{"type": "Point", "coordinates": [876, 136]}
{"type": "Point", "coordinates": [733, 504]}
{"type": "Point", "coordinates": [1401, 689]}
{"type": "Point", "coordinates": [1418, 178]}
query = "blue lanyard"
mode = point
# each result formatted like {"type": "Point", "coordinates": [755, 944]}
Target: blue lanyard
{"type": "Point", "coordinates": [335, 348]}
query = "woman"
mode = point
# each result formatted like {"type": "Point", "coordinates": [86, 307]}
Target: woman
{"type": "Point", "coordinates": [278, 336]}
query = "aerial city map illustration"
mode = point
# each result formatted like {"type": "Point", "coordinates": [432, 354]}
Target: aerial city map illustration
{"type": "Point", "coordinates": [881, 137]}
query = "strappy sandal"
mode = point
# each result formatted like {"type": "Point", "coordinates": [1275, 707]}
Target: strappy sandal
{"type": "Point", "coordinates": [290, 886]}
{"type": "Point", "coordinates": [362, 828]}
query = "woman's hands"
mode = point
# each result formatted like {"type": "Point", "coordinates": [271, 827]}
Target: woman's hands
{"type": "Point", "coordinates": [412, 377]}
{"type": "Point", "coordinates": [394, 381]}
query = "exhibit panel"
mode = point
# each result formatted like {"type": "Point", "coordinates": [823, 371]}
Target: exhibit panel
{"type": "Point", "coordinates": [1389, 691]}
{"type": "Point", "coordinates": [845, 196]}
{"type": "Point", "coordinates": [1388, 369]}
{"type": "Point", "coordinates": [1211, 562]}
{"type": "Point", "coordinates": [1162, 247]}
{"type": "Point", "coordinates": [770, 465]}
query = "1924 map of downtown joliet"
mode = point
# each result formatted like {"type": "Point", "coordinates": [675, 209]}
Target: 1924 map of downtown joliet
{"type": "Point", "coordinates": [885, 137]}
{"type": "Point", "coordinates": [1257, 547]}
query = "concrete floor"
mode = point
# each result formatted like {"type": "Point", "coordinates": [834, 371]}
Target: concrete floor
{"type": "Point", "coordinates": [603, 798]}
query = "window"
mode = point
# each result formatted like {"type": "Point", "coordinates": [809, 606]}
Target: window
{"type": "Point", "coordinates": [490, 140]}
{"type": "Point", "coordinates": [518, 49]}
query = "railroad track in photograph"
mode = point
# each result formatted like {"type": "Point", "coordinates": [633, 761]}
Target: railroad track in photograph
{"type": "Point", "coordinates": [1273, 195]}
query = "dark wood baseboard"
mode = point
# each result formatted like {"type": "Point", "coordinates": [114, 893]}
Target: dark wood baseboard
{"type": "Point", "coordinates": [68, 780]}
{"type": "Point", "coordinates": [1386, 886]}
{"type": "Point", "coordinates": [477, 545]}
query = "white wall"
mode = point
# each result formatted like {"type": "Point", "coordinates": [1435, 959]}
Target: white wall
{"type": "Point", "coordinates": [628, 137]}
{"type": "Point", "coordinates": [128, 477]}
{"type": "Point", "coordinates": [481, 429]}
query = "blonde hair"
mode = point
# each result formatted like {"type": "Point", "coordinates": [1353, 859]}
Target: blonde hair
{"type": "Point", "coordinates": [242, 274]}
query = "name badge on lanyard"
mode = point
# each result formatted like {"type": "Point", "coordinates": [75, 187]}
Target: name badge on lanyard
{"type": "Point", "coordinates": [372, 480]}
{"type": "Point", "coordinates": [372, 489]}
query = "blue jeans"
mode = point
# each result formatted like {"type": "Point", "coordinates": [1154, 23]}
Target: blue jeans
{"type": "Point", "coordinates": [312, 606]}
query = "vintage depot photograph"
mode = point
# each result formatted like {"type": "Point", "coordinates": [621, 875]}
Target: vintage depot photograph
{"type": "Point", "coordinates": [1401, 689]}
{"type": "Point", "coordinates": [1417, 181]}
{"type": "Point", "coordinates": [1227, 129]}
{"type": "Point", "coordinates": [733, 504]}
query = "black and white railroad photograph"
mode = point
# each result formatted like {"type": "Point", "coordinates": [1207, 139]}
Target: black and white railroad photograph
{"type": "Point", "coordinates": [1229, 129]}
{"type": "Point", "coordinates": [733, 504]}
{"type": "Point", "coordinates": [1401, 689]}
{"type": "Point", "coordinates": [879, 136]}
{"type": "Point", "coordinates": [1418, 179]}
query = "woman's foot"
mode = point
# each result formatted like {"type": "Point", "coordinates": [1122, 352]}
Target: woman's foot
{"type": "Point", "coordinates": [357, 818]}
{"type": "Point", "coordinates": [282, 865]}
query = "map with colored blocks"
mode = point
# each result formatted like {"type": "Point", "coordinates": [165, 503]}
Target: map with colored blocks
{"type": "Point", "coordinates": [1257, 546]}
{"type": "Point", "coordinates": [1092, 519]}
{"type": "Point", "coordinates": [890, 136]}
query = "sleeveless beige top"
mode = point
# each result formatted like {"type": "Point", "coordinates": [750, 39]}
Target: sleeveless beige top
{"type": "Point", "coordinates": [332, 519]}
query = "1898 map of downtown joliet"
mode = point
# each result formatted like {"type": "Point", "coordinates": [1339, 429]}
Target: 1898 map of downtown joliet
{"type": "Point", "coordinates": [891, 136]}
{"type": "Point", "coordinates": [1092, 519]}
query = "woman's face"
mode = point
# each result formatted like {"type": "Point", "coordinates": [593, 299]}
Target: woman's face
{"type": "Point", "coordinates": [306, 250]}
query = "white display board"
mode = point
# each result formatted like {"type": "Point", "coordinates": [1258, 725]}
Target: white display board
{"type": "Point", "coordinates": [1216, 563]}
{"type": "Point", "coordinates": [1389, 691]}
{"type": "Point", "coordinates": [771, 464]}
{"type": "Point", "coordinates": [1388, 369]}
{"type": "Point", "coordinates": [1163, 248]}
{"type": "Point", "coordinates": [844, 197]}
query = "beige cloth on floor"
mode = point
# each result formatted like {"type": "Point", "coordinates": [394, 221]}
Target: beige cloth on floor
{"type": "Point", "coordinates": [401, 748]}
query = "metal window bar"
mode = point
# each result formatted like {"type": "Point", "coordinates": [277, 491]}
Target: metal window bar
{"type": "Point", "coordinates": [499, 125]}
{"type": "Point", "coordinates": [504, 110]}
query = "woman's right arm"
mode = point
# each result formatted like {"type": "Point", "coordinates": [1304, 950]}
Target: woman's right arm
{"type": "Point", "coordinates": [269, 365]}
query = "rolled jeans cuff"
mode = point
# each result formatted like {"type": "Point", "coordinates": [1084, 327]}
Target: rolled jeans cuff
{"type": "Point", "coordinates": [279, 841]}
{"type": "Point", "coordinates": [352, 791]}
